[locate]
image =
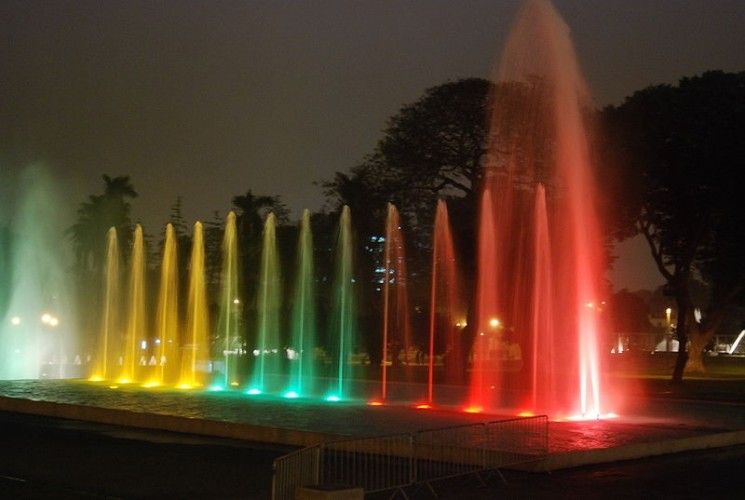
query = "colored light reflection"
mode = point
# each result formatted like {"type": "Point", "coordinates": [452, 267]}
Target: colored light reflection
{"type": "Point", "coordinates": [253, 392]}
{"type": "Point", "coordinates": [375, 403]}
{"type": "Point", "coordinates": [291, 395]}
{"type": "Point", "coordinates": [216, 388]}
{"type": "Point", "coordinates": [473, 409]}
{"type": "Point", "coordinates": [332, 398]}
{"type": "Point", "coordinates": [589, 417]}
{"type": "Point", "coordinates": [151, 384]}
{"type": "Point", "coordinates": [423, 406]}
{"type": "Point", "coordinates": [526, 414]}
{"type": "Point", "coordinates": [184, 386]}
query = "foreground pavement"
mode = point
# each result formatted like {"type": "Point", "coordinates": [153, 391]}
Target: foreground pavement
{"type": "Point", "coordinates": [44, 457]}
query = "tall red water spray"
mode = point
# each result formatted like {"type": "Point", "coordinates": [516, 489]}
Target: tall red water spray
{"type": "Point", "coordinates": [396, 322]}
{"type": "Point", "coordinates": [447, 317]}
{"type": "Point", "coordinates": [537, 136]}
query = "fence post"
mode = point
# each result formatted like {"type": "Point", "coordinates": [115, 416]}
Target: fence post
{"type": "Point", "coordinates": [412, 460]}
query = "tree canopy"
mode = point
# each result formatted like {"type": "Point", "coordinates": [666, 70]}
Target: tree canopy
{"type": "Point", "coordinates": [678, 153]}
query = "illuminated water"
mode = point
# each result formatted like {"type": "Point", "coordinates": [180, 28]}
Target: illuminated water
{"type": "Point", "coordinates": [195, 353]}
{"type": "Point", "coordinates": [538, 137]}
{"type": "Point", "coordinates": [167, 325]}
{"type": "Point", "coordinates": [136, 315]}
{"type": "Point", "coordinates": [303, 362]}
{"type": "Point", "coordinates": [228, 334]}
{"type": "Point", "coordinates": [109, 338]}
{"type": "Point", "coordinates": [267, 352]}
{"type": "Point", "coordinates": [528, 342]}
{"type": "Point", "coordinates": [447, 318]}
{"type": "Point", "coordinates": [37, 321]}
{"type": "Point", "coordinates": [397, 342]}
{"type": "Point", "coordinates": [343, 323]}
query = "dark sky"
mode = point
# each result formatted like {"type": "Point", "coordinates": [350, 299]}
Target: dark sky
{"type": "Point", "coordinates": [209, 99]}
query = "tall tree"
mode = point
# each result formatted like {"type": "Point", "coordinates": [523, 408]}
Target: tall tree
{"type": "Point", "coordinates": [678, 151]}
{"type": "Point", "coordinates": [96, 215]}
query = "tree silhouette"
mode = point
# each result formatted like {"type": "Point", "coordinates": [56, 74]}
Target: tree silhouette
{"type": "Point", "coordinates": [677, 153]}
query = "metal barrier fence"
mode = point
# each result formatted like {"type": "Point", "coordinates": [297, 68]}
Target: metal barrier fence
{"type": "Point", "coordinates": [374, 464]}
{"type": "Point", "coordinates": [394, 462]}
{"type": "Point", "coordinates": [299, 468]}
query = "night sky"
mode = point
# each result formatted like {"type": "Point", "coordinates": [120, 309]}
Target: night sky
{"type": "Point", "coordinates": [210, 99]}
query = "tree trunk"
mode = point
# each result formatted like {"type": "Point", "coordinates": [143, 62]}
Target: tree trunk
{"type": "Point", "coordinates": [696, 353]}
{"type": "Point", "coordinates": [683, 303]}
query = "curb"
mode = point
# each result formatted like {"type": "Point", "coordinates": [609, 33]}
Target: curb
{"type": "Point", "coordinates": [634, 451]}
{"type": "Point", "coordinates": [186, 425]}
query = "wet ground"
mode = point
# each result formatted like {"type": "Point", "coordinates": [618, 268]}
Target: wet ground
{"type": "Point", "coordinates": [658, 415]}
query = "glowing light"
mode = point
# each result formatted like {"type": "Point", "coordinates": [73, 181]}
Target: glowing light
{"type": "Point", "coordinates": [46, 318]}
{"type": "Point", "coordinates": [151, 384]}
{"type": "Point", "coordinates": [733, 348]}
{"type": "Point", "coordinates": [253, 392]}
{"type": "Point", "coordinates": [591, 416]}
{"type": "Point", "coordinates": [53, 321]}
{"type": "Point", "coordinates": [143, 344]}
{"type": "Point", "coordinates": [15, 321]}
{"type": "Point", "coordinates": [494, 322]}
{"type": "Point", "coordinates": [216, 388]}
{"type": "Point", "coordinates": [291, 395]}
{"type": "Point", "coordinates": [113, 387]}
{"type": "Point", "coordinates": [96, 378]}
{"type": "Point", "coordinates": [183, 386]}
{"type": "Point", "coordinates": [256, 352]}
{"type": "Point", "coordinates": [423, 406]}
{"type": "Point", "coordinates": [375, 403]}
{"type": "Point", "coordinates": [124, 381]}
{"type": "Point", "coordinates": [526, 414]}
{"type": "Point", "coordinates": [236, 301]}
{"type": "Point", "coordinates": [333, 398]}
{"type": "Point", "coordinates": [234, 384]}
{"type": "Point", "coordinates": [473, 409]}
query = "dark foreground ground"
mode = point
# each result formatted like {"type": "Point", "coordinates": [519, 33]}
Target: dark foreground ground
{"type": "Point", "coordinates": [52, 458]}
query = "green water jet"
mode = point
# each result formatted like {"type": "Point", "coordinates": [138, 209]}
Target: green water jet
{"type": "Point", "coordinates": [343, 325]}
{"type": "Point", "coordinates": [228, 330]}
{"type": "Point", "coordinates": [302, 369]}
{"type": "Point", "coordinates": [267, 352]}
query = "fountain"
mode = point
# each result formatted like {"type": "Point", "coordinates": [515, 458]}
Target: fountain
{"type": "Point", "coordinates": [136, 314]}
{"type": "Point", "coordinates": [302, 367]}
{"type": "Point", "coordinates": [167, 317]}
{"type": "Point", "coordinates": [228, 334]}
{"type": "Point", "coordinates": [195, 355]}
{"type": "Point", "coordinates": [343, 328]}
{"type": "Point", "coordinates": [396, 323]}
{"type": "Point", "coordinates": [107, 350]}
{"type": "Point", "coordinates": [447, 317]}
{"type": "Point", "coordinates": [537, 136]}
{"type": "Point", "coordinates": [538, 280]}
{"type": "Point", "coordinates": [37, 322]}
{"type": "Point", "coordinates": [267, 366]}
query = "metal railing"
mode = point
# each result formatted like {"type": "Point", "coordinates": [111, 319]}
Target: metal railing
{"type": "Point", "coordinates": [395, 462]}
{"type": "Point", "coordinates": [296, 469]}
